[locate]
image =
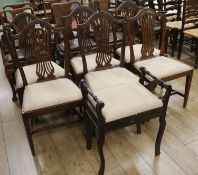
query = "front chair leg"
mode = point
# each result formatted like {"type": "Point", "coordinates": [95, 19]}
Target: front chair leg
{"type": "Point", "coordinates": [29, 134]}
{"type": "Point", "coordinates": [160, 135]}
{"type": "Point", "coordinates": [100, 144]}
{"type": "Point", "coordinates": [187, 88]}
{"type": "Point", "coordinates": [139, 130]}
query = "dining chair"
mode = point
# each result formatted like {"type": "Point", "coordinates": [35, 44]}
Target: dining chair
{"type": "Point", "coordinates": [70, 48]}
{"type": "Point", "coordinates": [158, 64]}
{"type": "Point", "coordinates": [49, 93]}
{"type": "Point", "coordinates": [16, 26]}
{"type": "Point", "coordinates": [113, 96]}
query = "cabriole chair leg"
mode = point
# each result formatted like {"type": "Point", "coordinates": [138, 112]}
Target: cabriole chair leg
{"type": "Point", "coordinates": [160, 133]}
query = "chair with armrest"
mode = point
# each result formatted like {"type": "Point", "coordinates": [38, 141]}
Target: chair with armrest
{"type": "Point", "coordinates": [53, 90]}
{"type": "Point", "coordinates": [113, 96]}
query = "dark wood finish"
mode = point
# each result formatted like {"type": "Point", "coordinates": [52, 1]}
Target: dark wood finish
{"type": "Point", "coordinates": [37, 38]}
{"type": "Point", "coordinates": [101, 25]}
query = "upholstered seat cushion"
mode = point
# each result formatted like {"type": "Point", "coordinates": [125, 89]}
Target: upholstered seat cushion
{"type": "Point", "coordinates": [126, 100]}
{"type": "Point", "coordinates": [192, 32]}
{"type": "Point", "coordinates": [50, 93]}
{"type": "Point", "coordinates": [171, 18]}
{"type": "Point", "coordinates": [178, 25]}
{"type": "Point", "coordinates": [162, 66]}
{"type": "Point", "coordinates": [77, 63]}
{"type": "Point", "coordinates": [137, 52]}
{"type": "Point", "coordinates": [104, 79]}
{"type": "Point", "coordinates": [31, 76]}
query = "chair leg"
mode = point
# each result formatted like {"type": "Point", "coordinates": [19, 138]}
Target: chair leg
{"type": "Point", "coordinates": [181, 40]}
{"type": "Point", "coordinates": [89, 131]}
{"type": "Point", "coordinates": [100, 144]}
{"type": "Point", "coordinates": [10, 80]}
{"type": "Point", "coordinates": [187, 88]}
{"type": "Point", "coordinates": [29, 134]}
{"type": "Point", "coordinates": [196, 53]}
{"type": "Point", "coordinates": [174, 42]}
{"type": "Point", "coordinates": [160, 134]}
{"type": "Point", "coordinates": [139, 130]}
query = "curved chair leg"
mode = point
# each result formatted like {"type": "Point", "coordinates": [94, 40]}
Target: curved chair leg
{"type": "Point", "coordinates": [29, 134]}
{"type": "Point", "coordinates": [181, 40]}
{"type": "Point", "coordinates": [100, 144]}
{"type": "Point", "coordinates": [187, 88]}
{"type": "Point", "coordinates": [160, 135]}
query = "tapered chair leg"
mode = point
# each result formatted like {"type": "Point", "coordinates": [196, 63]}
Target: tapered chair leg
{"type": "Point", "coordinates": [29, 134]}
{"type": "Point", "coordinates": [187, 88]}
{"type": "Point", "coordinates": [160, 135]}
{"type": "Point", "coordinates": [100, 144]}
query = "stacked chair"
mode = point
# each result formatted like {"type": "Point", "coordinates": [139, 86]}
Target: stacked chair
{"type": "Point", "coordinates": [111, 79]}
{"type": "Point", "coordinates": [189, 36]}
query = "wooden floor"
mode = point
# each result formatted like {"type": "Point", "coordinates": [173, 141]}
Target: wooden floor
{"type": "Point", "coordinates": [62, 151]}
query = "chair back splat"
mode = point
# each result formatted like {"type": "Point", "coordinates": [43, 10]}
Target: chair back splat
{"type": "Point", "coordinates": [98, 28]}
{"type": "Point", "coordinates": [146, 18]}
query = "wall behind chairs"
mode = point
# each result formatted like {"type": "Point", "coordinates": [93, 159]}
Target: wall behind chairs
{"type": "Point", "coordinates": [3, 2]}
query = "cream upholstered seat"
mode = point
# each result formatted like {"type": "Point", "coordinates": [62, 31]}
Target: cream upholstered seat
{"type": "Point", "coordinates": [163, 67]}
{"type": "Point", "coordinates": [125, 100]}
{"type": "Point", "coordinates": [137, 52]}
{"type": "Point", "coordinates": [50, 93]}
{"type": "Point", "coordinates": [171, 18]}
{"type": "Point", "coordinates": [77, 63]}
{"type": "Point", "coordinates": [109, 78]}
{"type": "Point", "coordinates": [31, 76]}
{"type": "Point", "coordinates": [178, 25]}
{"type": "Point", "coordinates": [192, 32]}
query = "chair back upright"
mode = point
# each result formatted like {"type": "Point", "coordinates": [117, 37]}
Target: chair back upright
{"type": "Point", "coordinates": [146, 19]}
{"type": "Point", "coordinates": [98, 28]}
{"type": "Point", "coordinates": [172, 9]}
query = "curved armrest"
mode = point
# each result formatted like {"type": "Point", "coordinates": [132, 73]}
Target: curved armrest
{"type": "Point", "coordinates": [159, 82]}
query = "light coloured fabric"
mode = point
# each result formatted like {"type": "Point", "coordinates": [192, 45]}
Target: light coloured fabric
{"type": "Point", "coordinates": [126, 100]}
{"type": "Point", "coordinates": [178, 25]}
{"type": "Point", "coordinates": [171, 18]}
{"type": "Point", "coordinates": [137, 52]}
{"type": "Point", "coordinates": [162, 66]}
{"type": "Point", "coordinates": [50, 93]}
{"type": "Point", "coordinates": [192, 32]}
{"type": "Point", "coordinates": [77, 63]}
{"type": "Point", "coordinates": [109, 78]}
{"type": "Point", "coordinates": [31, 76]}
